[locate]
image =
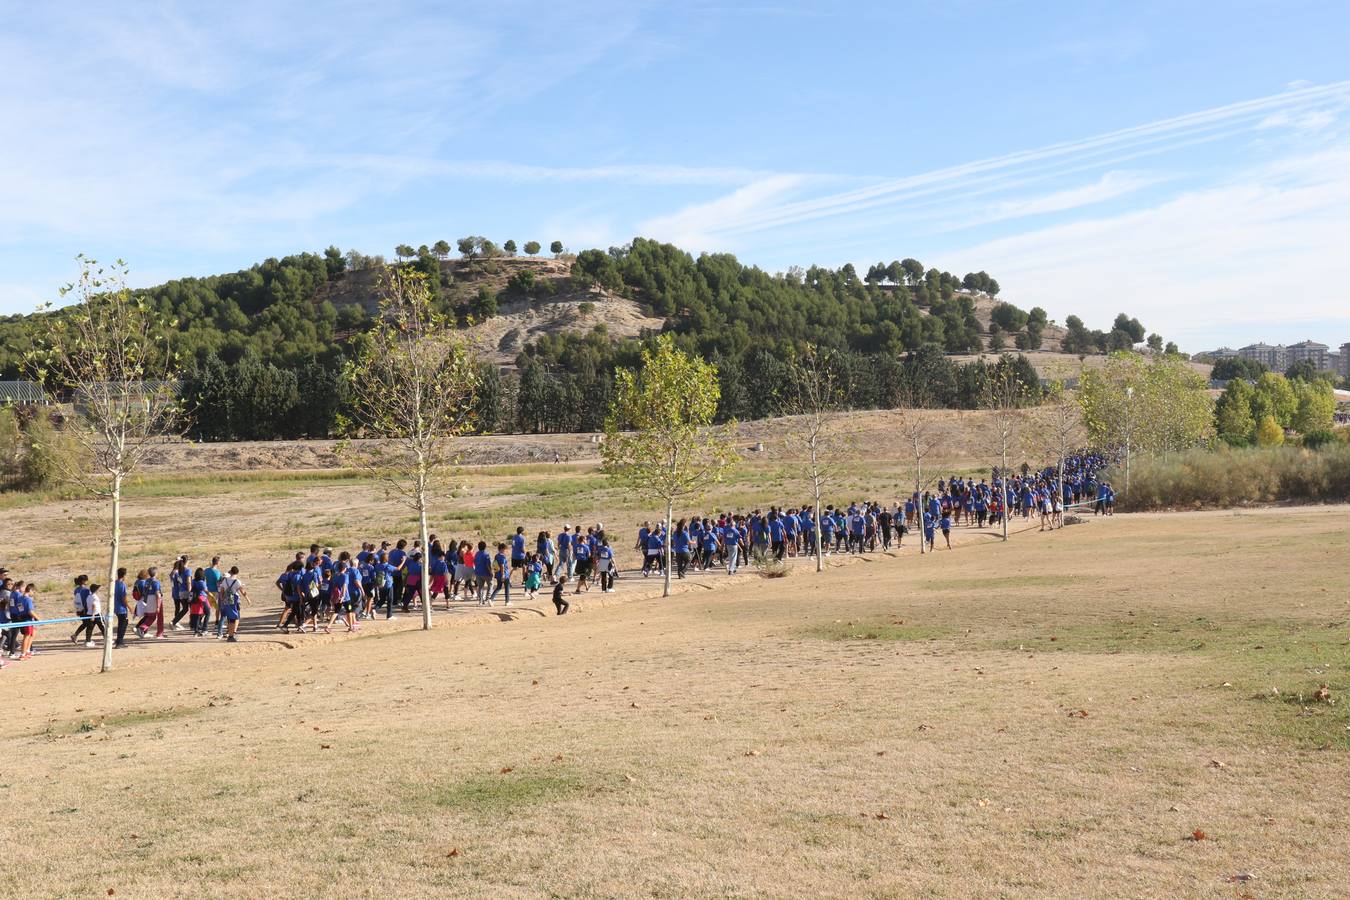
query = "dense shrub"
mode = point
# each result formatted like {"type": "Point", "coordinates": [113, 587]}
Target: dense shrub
{"type": "Point", "coordinates": [1234, 477]}
{"type": "Point", "coordinates": [1319, 438]}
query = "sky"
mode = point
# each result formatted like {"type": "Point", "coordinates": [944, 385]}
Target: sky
{"type": "Point", "coordinates": [1186, 162]}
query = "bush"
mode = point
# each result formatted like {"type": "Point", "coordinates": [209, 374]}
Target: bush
{"type": "Point", "coordinates": [1319, 438]}
{"type": "Point", "coordinates": [1237, 477]}
{"type": "Point", "coordinates": [49, 455]}
{"type": "Point", "coordinates": [11, 447]}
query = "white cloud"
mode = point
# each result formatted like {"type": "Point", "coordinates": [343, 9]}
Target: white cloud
{"type": "Point", "coordinates": [1100, 150]}
{"type": "Point", "coordinates": [694, 226]}
{"type": "Point", "coordinates": [1266, 246]}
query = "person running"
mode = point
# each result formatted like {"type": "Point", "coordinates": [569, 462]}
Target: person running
{"type": "Point", "coordinates": [518, 551]}
{"type": "Point", "coordinates": [151, 605]}
{"type": "Point", "coordinates": [23, 608]}
{"type": "Point", "coordinates": [559, 601]}
{"type": "Point", "coordinates": [180, 588]}
{"type": "Point", "coordinates": [482, 572]}
{"type": "Point", "coordinates": [534, 573]}
{"type": "Point", "coordinates": [945, 523]}
{"type": "Point", "coordinates": [234, 595]}
{"type": "Point", "coordinates": [501, 573]}
{"type": "Point", "coordinates": [86, 626]}
{"type": "Point", "coordinates": [582, 553]}
{"type": "Point", "coordinates": [198, 604]}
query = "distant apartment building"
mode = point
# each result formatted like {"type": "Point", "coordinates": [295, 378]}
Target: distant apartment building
{"type": "Point", "coordinates": [1222, 353]}
{"type": "Point", "coordinates": [1345, 360]}
{"type": "Point", "coordinates": [1310, 351]}
{"type": "Point", "coordinates": [1275, 358]}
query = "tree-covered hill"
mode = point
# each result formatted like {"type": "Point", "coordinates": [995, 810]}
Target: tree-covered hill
{"type": "Point", "coordinates": [263, 348]}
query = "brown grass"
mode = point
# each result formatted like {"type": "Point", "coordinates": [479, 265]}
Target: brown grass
{"type": "Point", "coordinates": [962, 724]}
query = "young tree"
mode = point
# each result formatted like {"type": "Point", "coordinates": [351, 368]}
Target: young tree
{"type": "Point", "coordinates": [1005, 396]}
{"type": "Point", "coordinates": [556, 248]}
{"type": "Point", "coordinates": [510, 248]}
{"type": "Point", "coordinates": [531, 248]}
{"type": "Point", "coordinates": [110, 352]}
{"type": "Point", "coordinates": [918, 430]}
{"type": "Point", "coordinates": [658, 435]}
{"type": "Point", "coordinates": [413, 385]}
{"type": "Point", "coordinates": [820, 404]}
{"type": "Point", "coordinates": [1061, 426]}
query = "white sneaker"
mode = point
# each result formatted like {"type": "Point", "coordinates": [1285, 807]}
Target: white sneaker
{"type": "Point", "coordinates": [89, 644]}
{"type": "Point", "coordinates": [178, 628]}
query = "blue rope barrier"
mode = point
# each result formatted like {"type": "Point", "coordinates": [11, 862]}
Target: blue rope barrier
{"type": "Point", "coordinates": [4, 625]}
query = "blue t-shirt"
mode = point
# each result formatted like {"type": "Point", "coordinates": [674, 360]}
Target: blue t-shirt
{"type": "Point", "coordinates": [482, 564]}
{"type": "Point", "coordinates": [565, 541]}
{"type": "Point", "coordinates": [518, 547]}
{"type": "Point", "coordinates": [120, 598]}
{"type": "Point", "coordinates": [396, 557]}
{"type": "Point", "coordinates": [502, 565]}
{"type": "Point", "coordinates": [213, 576]}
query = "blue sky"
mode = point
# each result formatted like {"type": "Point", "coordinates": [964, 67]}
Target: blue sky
{"type": "Point", "coordinates": [1186, 162]}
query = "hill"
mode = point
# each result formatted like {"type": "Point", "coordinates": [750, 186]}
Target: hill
{"type": "Point", "coordinates": [263, 348]}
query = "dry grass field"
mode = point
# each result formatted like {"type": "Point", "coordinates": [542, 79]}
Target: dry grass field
{"type": "Point", "coordinates": [1063, 715]}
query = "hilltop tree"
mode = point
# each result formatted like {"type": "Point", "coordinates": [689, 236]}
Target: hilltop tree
{"type": "Point", "coordinates": [469, 246]}
{"type": "Point", "coordinates": [110, 351]}
{"type": "Point", "coordinates": [334, 261]}
{"type": "Point", "coordinates": [413, 386]}
{"type": "Point", "coordinates": [1130, 327]}
{"type": "Point", "coordinates": [531, 248]}
{"type": "Point", "coordinates": [556, 248]}
{"type": "Point", "coordinates": [510, 248]}
{"type": "Point", "coordinates": [658, 439]}
{"type": "Point", "coordinates": [441, 249]}
{"type": "Point", "coordinates": [404, 251]}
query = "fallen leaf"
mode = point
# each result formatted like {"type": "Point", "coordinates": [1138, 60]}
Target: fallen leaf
{"type": "Point", "coordinates": [1216, 764]}
{"type": "Point", "coordinates": [1078, 714]}
{"type": "Point", "coordinates": [506, 770]}
{"type": "Point", "coordinates": [1239, 878]}
{"type": "Point", "coordinates": [558, 758]}
{"type": "Point", "coordinates": [454, 852]}
{"type": "Point", "coordinates": [536, 681]}
{"type": "Point", "coordinates": [752, 753]}
{"type": "Point", "coordinates": [881, 753]}
{"type": "Point", "coordinates": [881, 815]}
{"type": "Point", "coordinates": [325, 746]}
{"type": "Point", "coordinates": [632, 706]}
{"type": "Point", "coordinates": [1198, 835]}
{"type": "Point", "coordinates": [629, 778]}
{"type": "Point", "coordinates": [924, 726]}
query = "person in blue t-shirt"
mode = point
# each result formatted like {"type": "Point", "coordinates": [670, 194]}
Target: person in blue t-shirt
{"type": "Point", "coordinates": [945, 523]}
{"type": "Point", "coordinates": [928, 529]}
{"type": "Point", "coordinates": [680, 544]}
{"type": "Point", "coordinates": [501, 574]}
{"type": "Point", "coordinates": [120, 608]}
{"type": "Point", "coordinates": [518, 551]}
{"type": "Point", "coordinates": [582, 552]}
{"type": "Point", "coordinates": [482, 572]}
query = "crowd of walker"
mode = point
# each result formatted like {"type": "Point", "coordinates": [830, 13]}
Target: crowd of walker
{"type": "Point", "coordinates": [320, 588]}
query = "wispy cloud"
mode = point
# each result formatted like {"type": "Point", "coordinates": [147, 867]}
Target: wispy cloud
{"type": "Point", "coordinates": [695, 225]}
{"type": "Point", "coordinates": [1266, 244]}
{"type": "Point", "coordinates": [1100, 150]}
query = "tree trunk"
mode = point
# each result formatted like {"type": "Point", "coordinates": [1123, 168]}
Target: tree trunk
{"type": "Point", "coordinates": [820, 551]}
{"type": "Point", "coordinates": [424, 585]}
{"type": "Point", "coordinates": [1003, 480]}
{"type": "Point", "coordinates": [667, 546]}
{"type": "Point", "coordinates": [918, 500]}
{"type": "Point", "coordinates": [110, 593]}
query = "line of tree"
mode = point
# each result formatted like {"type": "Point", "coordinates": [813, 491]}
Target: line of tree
{"type": "Point", "coordinates": [259, 350]}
